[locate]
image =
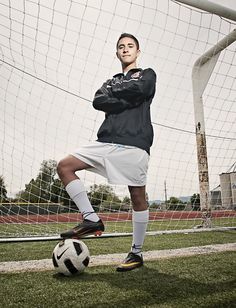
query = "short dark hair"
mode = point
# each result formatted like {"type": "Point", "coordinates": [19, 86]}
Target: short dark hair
{"type": "Point", "coordinates": [130, 36]}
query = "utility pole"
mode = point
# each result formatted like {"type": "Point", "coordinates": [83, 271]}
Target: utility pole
{"type": "Point", "coordinates": [165, 190]}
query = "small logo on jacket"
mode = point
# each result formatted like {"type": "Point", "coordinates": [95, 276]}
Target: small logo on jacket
{"type": "Point", "coordinates": [135, 75]}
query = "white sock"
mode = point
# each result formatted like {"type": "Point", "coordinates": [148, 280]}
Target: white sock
{"type": "Point", "coordinates": [77, 192]}
{"type": "Point", "coordinates": [140, 222]}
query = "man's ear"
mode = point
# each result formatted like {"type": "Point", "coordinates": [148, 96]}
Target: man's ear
{"type": "Point", "coordinates": [138, 52]}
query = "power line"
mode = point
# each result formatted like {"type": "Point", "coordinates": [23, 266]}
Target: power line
{"type": "Point", "coordinates": [88, 100]}
{"type": "Point", "coordinates": [44, 81]}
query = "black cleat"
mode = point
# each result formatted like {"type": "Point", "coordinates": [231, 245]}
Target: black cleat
{"type": "Point", "coordinates": [86, 227]}
{"type": "Point", "coordinates": [131, 262]}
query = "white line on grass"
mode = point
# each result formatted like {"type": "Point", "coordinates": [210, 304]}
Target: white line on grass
{"type": "Point", "coordinates": [113, 259]}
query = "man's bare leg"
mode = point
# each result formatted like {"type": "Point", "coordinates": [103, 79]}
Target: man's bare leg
{"type": "Point", "coordinates": [140, 219]}
{"type": "Point", "coordinates": [66, 169]}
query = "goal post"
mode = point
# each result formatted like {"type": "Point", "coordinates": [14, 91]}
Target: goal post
{"type": "Point", "coordinates": [201, 74]}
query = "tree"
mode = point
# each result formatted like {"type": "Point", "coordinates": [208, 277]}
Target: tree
{"type": "Point", "coordinates": [31, 192]}
{"type": "Point", "coordinates": [102, 194]}
{"type": "Point", "coordinates": [46, 187]}
{"type": "Point", "coordinates": [175, 204]}
{"type": "Point", "coordinates": [126, 200]}
{"type": "Point", "coordinates": [58, 193]}
{"type": "Point", "coordinates": [3, 190]}
{"type": "Point", "coordinates": [195, 201]}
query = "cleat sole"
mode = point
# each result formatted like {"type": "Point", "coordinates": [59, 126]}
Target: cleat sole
{"type": "Point", "coordinates": [98, 233]}
{"type": "Point", "coordinates": [76, 237]}
{"type": "Point", "coordinates": [84, 229]}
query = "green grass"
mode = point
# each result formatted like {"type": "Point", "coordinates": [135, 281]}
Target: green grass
{"type": "Point", "coordinates": [43, 250]}
{"type": "Point", "coordinates": [21, 230]}
{"type": "Point", "coordinates": [198, 281]}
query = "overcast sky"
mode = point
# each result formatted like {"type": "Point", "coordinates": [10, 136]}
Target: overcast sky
{"type": "Point", "coordinates": [57, 54]}
{"type": "Point", "coordinates": [228, 3]}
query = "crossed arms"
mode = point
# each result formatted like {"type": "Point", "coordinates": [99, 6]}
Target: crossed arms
{"type": "Point", "coordinates": [126, 94]}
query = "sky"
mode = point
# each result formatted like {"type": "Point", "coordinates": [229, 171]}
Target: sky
{"type": "Point", "coordinates": [228, 3]}
{"type": "Point", "coordinates": [57, 54]}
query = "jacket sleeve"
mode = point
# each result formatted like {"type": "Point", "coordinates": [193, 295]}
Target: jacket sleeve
{"type": "Point", "coordinates": [105, 101]}
{"type": "Point", "coordinates": [136, 90]}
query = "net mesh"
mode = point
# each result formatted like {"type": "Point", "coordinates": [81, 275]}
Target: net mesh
{"type": "Point", "coordinates": [54, 56]}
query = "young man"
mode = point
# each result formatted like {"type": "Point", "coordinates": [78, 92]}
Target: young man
{"type": "Point", "coordinates": [121, 152]}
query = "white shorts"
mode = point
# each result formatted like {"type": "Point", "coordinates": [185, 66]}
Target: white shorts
{"type": "Point", "coordinates": [120, 164]}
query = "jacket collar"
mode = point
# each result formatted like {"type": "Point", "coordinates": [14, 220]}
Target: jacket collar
{"type": "Point", "coordinates": [130, 72]}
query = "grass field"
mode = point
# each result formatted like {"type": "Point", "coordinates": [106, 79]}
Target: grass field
{"type": "Point", "coordinates": [29, 229]}
{"type": "Point", "coordinates": [42, 250]}
{"type": "Point", "coordinates": [198, 281]}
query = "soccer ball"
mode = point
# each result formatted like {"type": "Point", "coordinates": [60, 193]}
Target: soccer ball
{"type": "Point", "coordinates": [70, 257]}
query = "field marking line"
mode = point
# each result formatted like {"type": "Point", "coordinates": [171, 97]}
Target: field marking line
{"type": "Point", "coordinates": [114, 259]}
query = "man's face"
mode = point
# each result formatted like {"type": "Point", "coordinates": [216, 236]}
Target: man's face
{"type": "Point", "coordinates": [127, 51]}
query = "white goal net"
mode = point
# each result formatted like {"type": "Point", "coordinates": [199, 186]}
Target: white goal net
{"type": "Point", "coordinates": [54, 55]}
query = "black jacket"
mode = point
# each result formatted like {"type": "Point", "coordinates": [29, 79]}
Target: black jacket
{"type": "Point", "coordinates": [126, 101]}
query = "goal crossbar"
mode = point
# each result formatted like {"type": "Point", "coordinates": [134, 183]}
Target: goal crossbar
{"type": "Point", "coordinates": [211, 7]}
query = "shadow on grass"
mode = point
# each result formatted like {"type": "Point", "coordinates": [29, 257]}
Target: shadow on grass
{"type": "Point", "coordinates": [147, 286]}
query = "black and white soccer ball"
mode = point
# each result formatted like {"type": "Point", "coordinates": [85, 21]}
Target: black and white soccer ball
{"type": "Point", "coordinates": [70, 257]}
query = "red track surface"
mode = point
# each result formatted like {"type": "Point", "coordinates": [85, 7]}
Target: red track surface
{"type": "Point", "coordinates": [111, 216]}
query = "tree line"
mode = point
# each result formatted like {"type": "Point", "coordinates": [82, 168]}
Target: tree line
{"type": "Point", "coordinates": [48, 188]}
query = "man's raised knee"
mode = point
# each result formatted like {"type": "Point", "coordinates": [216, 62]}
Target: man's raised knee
{"type": "Point", "coordinates": [61, 167]}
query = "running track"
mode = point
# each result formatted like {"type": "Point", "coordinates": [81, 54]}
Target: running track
{"type": "Point", "coordinates": [124, 216]}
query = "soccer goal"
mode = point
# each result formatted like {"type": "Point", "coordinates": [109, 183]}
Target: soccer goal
{"type": "Point", "coordinates": [56, 54]}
